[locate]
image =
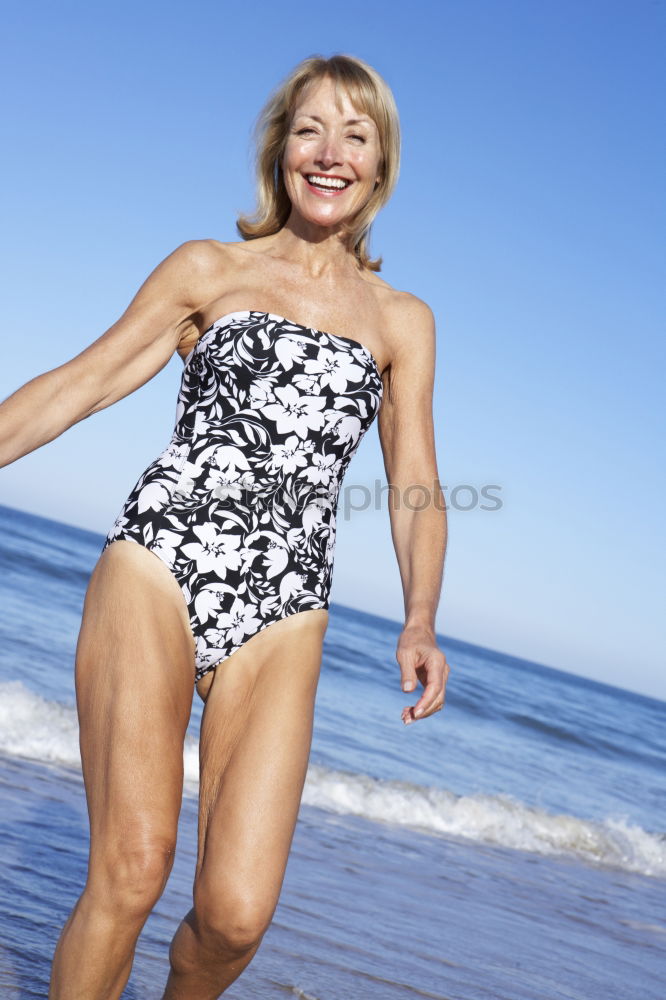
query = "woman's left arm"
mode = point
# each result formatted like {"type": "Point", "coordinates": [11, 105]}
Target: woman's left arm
{"type": "Point", "coordinates": [416, 504]}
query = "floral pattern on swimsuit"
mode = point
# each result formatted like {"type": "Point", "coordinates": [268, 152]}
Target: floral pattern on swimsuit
{"type": "Point", "coordinates": [242, 503]}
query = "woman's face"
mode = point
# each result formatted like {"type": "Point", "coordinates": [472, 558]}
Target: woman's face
{"type": "Point", "coordinates": [332, 157]}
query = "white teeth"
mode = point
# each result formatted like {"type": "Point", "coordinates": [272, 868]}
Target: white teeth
{"type": "Point", "coordinates": [330, 182]}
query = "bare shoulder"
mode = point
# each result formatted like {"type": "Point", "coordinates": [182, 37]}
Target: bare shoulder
{"type": "Point", "coordinates": [202, 256]}
{"type": "Point", "coordinates": [172, 290]}
{"type": "Point", "coordinates": [237, 251]}
{"type": "Point", "coordinates": [414, 316]}
{"type": "Point", "coordinates": [184, 271]}
{"type": "Point", "coordinates": [196, 266]}
{"type": "Point", "coordinates": [206, 255]}
{"type": "Point", "coordinates": [408, 321]}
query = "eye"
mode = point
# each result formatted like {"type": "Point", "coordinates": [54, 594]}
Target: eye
{"type": "Point", "coordinates": [361, 137]}
{"type": "Point", "coordinates": [302, 131]}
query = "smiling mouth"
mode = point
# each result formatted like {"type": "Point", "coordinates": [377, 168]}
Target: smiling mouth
{"type": "Point", "coordinates": [324, 183]}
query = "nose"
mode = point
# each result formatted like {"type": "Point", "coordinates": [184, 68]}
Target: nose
{"type": "Point", "coordinates": [329, 153]}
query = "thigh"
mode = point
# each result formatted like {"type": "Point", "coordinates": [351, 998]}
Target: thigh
{"type": "Point", "coordinates": [256, 736]}
{"type": "Point", "coordinates": [134, 684]}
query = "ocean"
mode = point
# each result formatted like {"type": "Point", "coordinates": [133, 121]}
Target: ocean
{"type": "Point", "coordinates": [510, 847]}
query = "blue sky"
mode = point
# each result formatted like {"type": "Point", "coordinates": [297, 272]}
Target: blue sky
{"type": "Point", "coordinates": [529, 214]}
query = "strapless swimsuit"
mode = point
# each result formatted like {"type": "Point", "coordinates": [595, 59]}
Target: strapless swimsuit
{"type": "Point", "coordinates": [242, 503]}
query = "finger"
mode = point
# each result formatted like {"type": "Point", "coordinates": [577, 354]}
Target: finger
{"type": "Point", "coordinates": [427, 699]}
{"type": "Point", "coordinates": [409, 679]}
{"type": "Point", "coordinates": [408, 718]}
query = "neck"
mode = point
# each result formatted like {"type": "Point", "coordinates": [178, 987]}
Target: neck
{"type": "Point", "coordinates": [318, 250]}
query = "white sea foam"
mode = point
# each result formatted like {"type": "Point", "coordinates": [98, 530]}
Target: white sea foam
{"type": "Point", "coordinates": [492, 819]}
{"type": "Point", "coordinates": [33, 727]}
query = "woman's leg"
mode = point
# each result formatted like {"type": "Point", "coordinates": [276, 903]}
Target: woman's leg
{"type": "Point", "coordinates": [256, 735]}
{"type": "Point", "coordinates": [134, 685]}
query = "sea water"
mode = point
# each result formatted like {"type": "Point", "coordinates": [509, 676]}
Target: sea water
{"type": "Point", "coordinates": [511, 846]}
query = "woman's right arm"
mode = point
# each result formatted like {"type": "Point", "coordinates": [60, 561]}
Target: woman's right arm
{"type": "Point", "coordinates": [124, 358]}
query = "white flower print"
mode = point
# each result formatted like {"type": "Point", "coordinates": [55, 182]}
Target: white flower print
{"type": "Point", "coordinates": [165, 545]}
{"type": "Point", "coordinates": [223, 487]}
{"type": "Point", "coordinates": [289, 351]}
{"type": "Point", "coordinates": [229, 488]}
{"type": "Point", "coordinates": [309, 385]}
{"type": "Point", "coordinates": [230, 459]}
{"type": "Point", "coordinates": [275, 558]}
{"type": "Point", "coordinates": [188, 474]}
{"type": "Point", "coordinates": [293, 454]}
{"type": "Point", "coordinates": [215, 552]}
{"type": "Point", "coordinates": [290, 584]}
{"type": "Point", "coordinates": [313, 516]}
{"type": "Point", "coordinates": [269, 549]}
{"type": "Point", "coordinates": [154, 496]}
{"type": "Point", "coordinates": [201, 424]}
{"type": "Point", "coordinates": [349, 428]}
{"type": "Point", "coordinates": [208, 601]}
{"type": "Point", "coordinates": [119, 526]}
{"type": "Point", "coordinates": [335, 368]}
{"type": "Point", "coordinates": [240, 621]}
{"type": "Point", "coordinates": [173, 456]}
{"type": "Point", "coordinates": [219, 466]}
{"type": "Point", "coordinates": [321, 468]}
{"type": "Point", "coordinates": [260, 394]}
{"type": "Point", "coordinates": [296, 412]}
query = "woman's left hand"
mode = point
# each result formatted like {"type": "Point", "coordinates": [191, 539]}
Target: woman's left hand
{"type": "Point", "coordinates": [421, 660]}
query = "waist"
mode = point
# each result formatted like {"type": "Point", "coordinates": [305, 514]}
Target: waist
{"type": "Point", "coordinates": [205, 484]}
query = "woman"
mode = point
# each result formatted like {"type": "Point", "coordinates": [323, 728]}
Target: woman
{"type": "Point", "coordinates": [240, 511]}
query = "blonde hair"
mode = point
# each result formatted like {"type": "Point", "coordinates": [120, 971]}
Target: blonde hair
{"type": "Point", "coordinates": [371, 95]}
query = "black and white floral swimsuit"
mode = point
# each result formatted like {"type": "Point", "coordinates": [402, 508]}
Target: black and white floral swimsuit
{"type": "Point", "coordinates": [241, 505]}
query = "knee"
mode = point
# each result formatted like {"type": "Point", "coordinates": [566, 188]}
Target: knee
{"type": "Point", "coordinates": [131, 878]}
{"type": "Point", "coordinates": [230, 922]}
